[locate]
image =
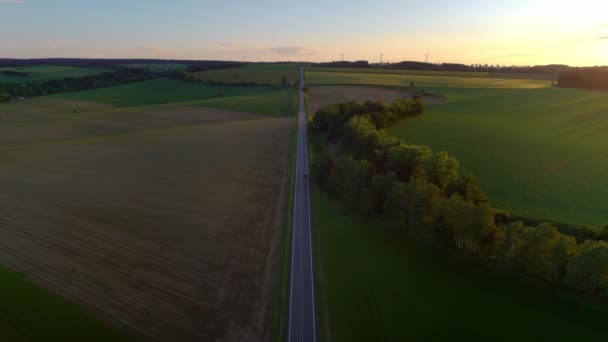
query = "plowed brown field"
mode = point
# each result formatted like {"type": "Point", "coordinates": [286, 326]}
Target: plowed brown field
{"type": "Point", "coordinates": [170, 227]}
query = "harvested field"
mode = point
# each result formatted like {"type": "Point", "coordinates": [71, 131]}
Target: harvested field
{"type": "Point", "coordinates": [170, 230]}
{"type": "Point", "coordinates": [421, 81]}
{"type": "Point", "coordinates": [44, 119]}
{"type": "Point", "coordinates": [321, 96]}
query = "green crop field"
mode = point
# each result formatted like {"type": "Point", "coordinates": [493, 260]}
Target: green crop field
{"type": "Point", "coordinates": [280, 102]}
{"type": "Point", "coordinates": [30, 313]}
{"type": "Point", "coordinates": [158, 205]}
{"type": "Point", "coordinates": [256, 74]}
{"type": "Point", "coordinates": [45, 73]}
{"type": "Point", "coordinates": [539, 152]}
{"type": "Point", "coordinates": [379, 284]}
{"type": "Point", "coordinates": [421, 79]}
{"type": "Point", "coordinates": [158, 91]}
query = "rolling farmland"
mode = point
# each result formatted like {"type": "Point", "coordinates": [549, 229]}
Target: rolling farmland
{"type": "Point", "coordinates": [533, 150]}
{"type": "Point", "coordinates": [538, 152]}
{"type": "Point", "coordinates": [254, 73]}
{"type": "Point", "coordinates": [162, 218]}
{"type": "Point", "coordinates": [158, 91]}
{"type": "Point", "coordinates": [45, 73]}
{"type": "Point", "coordinates": [421, 79]}
{"type": "Point", "coordinates": [271, 171]}
{"type": "Point", "coordinates": [400, 289]}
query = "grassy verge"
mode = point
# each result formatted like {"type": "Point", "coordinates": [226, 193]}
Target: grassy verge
{"type": "Point", "coordinates": [381, 284]}
{"type": "Point", "coordinates": [31, 313]}
{"type": "Point", "coordinates": [281, 294]}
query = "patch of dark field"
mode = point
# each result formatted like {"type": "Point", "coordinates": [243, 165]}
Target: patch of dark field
{"type": "Point", "coordinates": [172, 233]}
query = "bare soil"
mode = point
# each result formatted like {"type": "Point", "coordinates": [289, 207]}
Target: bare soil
{"type": "Point", "coordinates": [171, 231]}
{"type": "Point", "coordinates": [45, 120]}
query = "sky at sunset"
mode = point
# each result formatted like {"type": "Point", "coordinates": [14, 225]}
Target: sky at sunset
{"type": "Point", "coordinates": [486, 32]}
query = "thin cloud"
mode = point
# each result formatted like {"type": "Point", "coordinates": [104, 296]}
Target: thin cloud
{"type": "Point", "coordinates": [12, 1]}
{"type": "Point", "coordinates": [293, 50]}
{"type": "Point", "coordinates": [225, 44]}
{"type": "Point", "coordinates": [606, 37]}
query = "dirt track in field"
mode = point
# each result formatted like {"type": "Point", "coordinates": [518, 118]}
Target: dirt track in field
{"type": "Point", "coordinates": [321, 96]}
{"type": "Point", "coordinates": [171, 232]}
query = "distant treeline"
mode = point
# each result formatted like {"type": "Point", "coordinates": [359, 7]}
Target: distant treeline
{"type": "Point", "coordinates": [106, 63]}
{"type": "Point", "coordinates": [106, 79]}
{"type": "Point", "coordinates": [536, 69]}
{"type": "Point", "coordinates": [115, 75]}
{"type": "Point", "coordinates": [214, 65]}
{"type": "Point", "coordinates": [424, 192]}
{"type": "Point", "coordinates": [413, 65]}
{"type": "Point", "coordinates": [345, 64]}
{"type": "Point", "coordinates": [586, 78]}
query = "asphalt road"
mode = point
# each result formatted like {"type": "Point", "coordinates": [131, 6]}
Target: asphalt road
{"type": "Point", "coordinates": [302, 319]}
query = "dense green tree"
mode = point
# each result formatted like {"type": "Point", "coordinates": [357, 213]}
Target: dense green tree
{"type": "Point", "coordinates": [361, 138]}
{"type": "Point", "coordinates": [470, 226]}
{"type": "Point", "coordinates": [441, 169]}
{"type": "Point", "coordinates": [408, 161]}
{"type": "Point", "coordinates": [422, 202]}
{"type": "Point", "coordinates": [385, 143]}
{"type": "Point", "coordinates": [394, 205]}
{"type": "Point", "coordinates": [366, 202]}
{"type": "Point", "coordinates": [467, 187]}
{"type": "Point", "coordinates": [589, 271]}
{"type": "Point", "coordinates": [348, 178]}
{"type": "Point", "coordinates": [380, 188]}
{"type": "Point", "coordinates": [542, 251]}
{"type": "Point", "coordinates": [322, 166]}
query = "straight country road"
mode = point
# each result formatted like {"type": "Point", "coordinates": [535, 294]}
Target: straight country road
{"type": "Point", "coordinates": [302, 318]}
